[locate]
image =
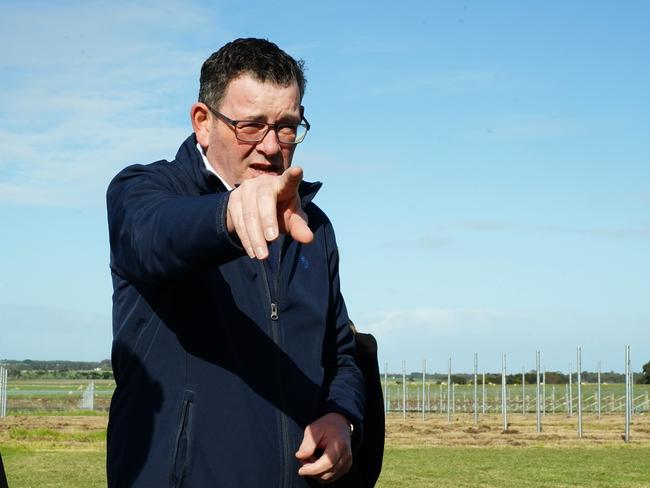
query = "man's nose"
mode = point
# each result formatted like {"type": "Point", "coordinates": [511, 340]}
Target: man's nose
{"type": "Point", "coordinates": [270, 143]}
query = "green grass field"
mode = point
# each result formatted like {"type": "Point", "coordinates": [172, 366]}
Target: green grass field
{"type": "Point", "coordinates": [516, 467]}
{"type": "Point", "coordinates": [43, 468]}
{"type": "Point", "coordinates": [69, 452]}
{"type": "Point", "coordinates": [451, 467]}
{"type": "Point", "coordinates": [47, 442]}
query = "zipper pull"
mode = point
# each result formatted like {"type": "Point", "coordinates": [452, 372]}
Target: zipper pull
{"type": "Point", "coordinates": [274, 311]}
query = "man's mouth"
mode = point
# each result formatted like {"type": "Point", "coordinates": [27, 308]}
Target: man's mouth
{"type": "Point", "coordinates": [264, 168]}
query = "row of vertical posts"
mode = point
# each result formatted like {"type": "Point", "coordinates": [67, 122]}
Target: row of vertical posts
{"type": "Point", "coordinates": [540, 406]}
{"type": "Point", "coordinates": [476, 388]}
{"type": "Point", "coordinates": [579, 381]}
{"type": "Point", "coordinates": [3, 391]}
{"type": "Point", "coordinates": [86, 402]}
{"type": "Point", "coordinates": [551, 404]}
{"type": "Point", "coordinates": [424, 384]}
{"type": "Point", "coordinates": [449, 391]}
{"type": "Point", "coordinates": [404, 389]}
{"type": "Point", "coordinates": [504, 394]}
{"type": "Point", "coordinates": [598, 395]}
{"type": "Point", "coordinates": [628, 394]}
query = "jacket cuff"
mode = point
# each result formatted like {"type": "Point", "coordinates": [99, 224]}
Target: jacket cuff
{"type": "Point", "coordinates": [222, 223]}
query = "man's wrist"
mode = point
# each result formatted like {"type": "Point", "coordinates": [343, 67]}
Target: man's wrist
{"type": "Point", "coordinates": [349, 424]}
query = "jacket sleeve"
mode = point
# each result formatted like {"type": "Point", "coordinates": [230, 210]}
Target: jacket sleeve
{"type": "Point", "coordinates": [157, 232]}
{"type": "Point", "coordinates": [344, 384]}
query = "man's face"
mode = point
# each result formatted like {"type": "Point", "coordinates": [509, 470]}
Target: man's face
{"type": "Point", "coordinates": [249, 99]}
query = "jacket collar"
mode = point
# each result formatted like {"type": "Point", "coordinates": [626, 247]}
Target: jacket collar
{"type": "Point", "coordinates": [190, 159]}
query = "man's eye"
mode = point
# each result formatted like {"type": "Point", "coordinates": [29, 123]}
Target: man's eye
{"type": "Point", "coordinates": [287, 129]}
{"type": "Point", "coordinates": [250, 127]}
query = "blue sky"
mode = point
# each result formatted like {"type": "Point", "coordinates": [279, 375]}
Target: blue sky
{"type": "Point", "coordinates": [486, 165]}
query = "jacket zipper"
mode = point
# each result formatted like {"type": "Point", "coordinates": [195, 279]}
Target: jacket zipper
{"type": "Point", "coordinates": [273, 298]}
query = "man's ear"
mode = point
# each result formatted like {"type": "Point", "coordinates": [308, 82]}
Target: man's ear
{"type": "Point", "coordinates": [201, 123]}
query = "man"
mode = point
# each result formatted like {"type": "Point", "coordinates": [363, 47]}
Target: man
{"type": "Point", "coordinates": [3, 476]}
{"type": "Point", "coordinates": [232, 353]}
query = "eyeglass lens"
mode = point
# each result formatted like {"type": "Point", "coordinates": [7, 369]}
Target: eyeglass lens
{"type": "Point", "coordinates": [255, 132]}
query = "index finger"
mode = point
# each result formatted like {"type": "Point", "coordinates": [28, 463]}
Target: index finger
{"type": "Point", "coordinates": [268, 212]}
{"type": "Point", "coordinates": [289, 182]}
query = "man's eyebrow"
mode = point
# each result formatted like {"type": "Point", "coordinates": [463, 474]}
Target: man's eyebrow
{"type": "Point", "coordinates": [254, 118]}
{"type": "Point", "coordinates": [289, 119]}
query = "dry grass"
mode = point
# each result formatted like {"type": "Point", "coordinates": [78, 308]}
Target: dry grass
{"type": "Point", "coordinates": [557, 430]}
{"type": "Point", "coordinates": [53, 432]}
{"type": "Point", "coordinates": [69, 451]}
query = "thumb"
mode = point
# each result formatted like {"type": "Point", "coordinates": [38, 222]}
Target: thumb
{"type": "Point", "coordinates": [298, 227]}
{"type": "Point", "coordinates": [308, 445]}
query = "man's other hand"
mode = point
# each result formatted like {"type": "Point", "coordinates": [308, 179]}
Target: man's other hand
{"type": "Point", "coordinates": [261, 207]}
{"type": "Point", "coordinates": [326, 452]}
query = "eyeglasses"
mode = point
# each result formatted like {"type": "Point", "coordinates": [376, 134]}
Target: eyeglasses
{"type": "Point", "coordinates": [251, 131]}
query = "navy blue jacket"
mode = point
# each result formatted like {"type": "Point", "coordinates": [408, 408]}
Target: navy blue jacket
{"type": "Point", "coordinates": [220, 360]}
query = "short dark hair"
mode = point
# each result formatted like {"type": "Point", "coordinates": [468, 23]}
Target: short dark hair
{"type": "Point", "coordinates": [260, 58]}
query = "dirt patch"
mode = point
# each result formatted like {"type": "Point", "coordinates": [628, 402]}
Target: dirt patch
{"type": "Point", "coordinates": [557, 430]}
{"type": "Point", "coordinates": [71, 423]}
{"type": "Point", "coordinates": [434, 430]}
{"type": "Point", "coordinates": [53, 432]}
{"type": "Point", "coordinates": [478, 429]}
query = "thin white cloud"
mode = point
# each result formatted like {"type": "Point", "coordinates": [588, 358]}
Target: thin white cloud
{"type": "Point", "coordinates": [87, 92]}
{"type": "Point", "coordinates": [437, 321]}
{"type": "Point", "coordinates": [641, 232]}
{"type": "Point", "coordinates": [438, 333]}
{"type": "Point", "coordinates": [60, 174]}
{"type": "Point", "coordinates": [530, 128]}
{"type": "Point", "coordinates": [441, 239]}
{"type": "Point", "coordinates": [32, 332]}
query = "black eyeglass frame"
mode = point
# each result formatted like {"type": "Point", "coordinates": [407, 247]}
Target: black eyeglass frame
{"type": "Point", "coordinates": [275, 127]}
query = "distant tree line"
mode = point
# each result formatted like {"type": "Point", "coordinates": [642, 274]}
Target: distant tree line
{"type": "Point", "coordinates": [30, 369]}
{"type": "Point", "coordinates": [552, 377]}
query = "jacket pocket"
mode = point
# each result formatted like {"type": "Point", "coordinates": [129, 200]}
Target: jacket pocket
{"type": "Point", "coordinates": [182, 446]}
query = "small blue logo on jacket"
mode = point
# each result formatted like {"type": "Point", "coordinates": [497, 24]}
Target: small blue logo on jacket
{"type": "Point", "coordinates": [304, 261]}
